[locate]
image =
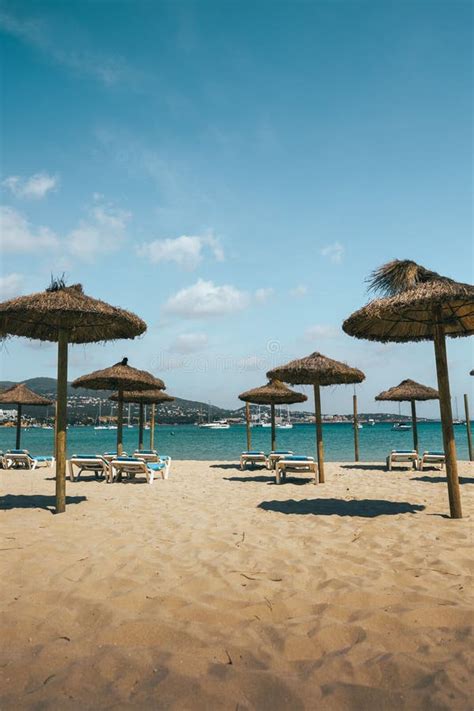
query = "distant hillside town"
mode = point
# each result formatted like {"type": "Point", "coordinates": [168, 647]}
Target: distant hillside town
{"type": "Point", "coordinates": [92, 407]}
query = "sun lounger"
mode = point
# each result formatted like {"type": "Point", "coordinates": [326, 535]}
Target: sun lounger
{"type": "Point", "coordinates": [2, 461]}
{"type": "Point", "coordinates": [79, 463]}
{"type": "Point", "coordinates": [22, 459]}
{"type": "Point", "coordinates": [108, 456]}
{"type": "Point", "coordinates": [253, 458]}
{"type": "Point", "coordinates": [148, 455]}
{"type": "Point", "coordinates": [432, 458]}
{"type": "Point", "coordinates": [131, 466]}
{"type": "Point", "coordinates": [402, 455]}
{"type": "Point", "coordinates": [294, 463]}
{"type": "Point", "coordinates": [277, 454]}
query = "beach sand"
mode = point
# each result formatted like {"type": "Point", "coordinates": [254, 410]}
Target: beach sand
{"type": "Point", "coordinates": [218, 589]}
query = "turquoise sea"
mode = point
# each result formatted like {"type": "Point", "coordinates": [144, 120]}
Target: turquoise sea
{"type": "Point", "coordinates": [191, 442]}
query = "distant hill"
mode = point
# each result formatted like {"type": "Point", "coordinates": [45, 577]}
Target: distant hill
{"type": "Point", "coordinates": [80, 407]}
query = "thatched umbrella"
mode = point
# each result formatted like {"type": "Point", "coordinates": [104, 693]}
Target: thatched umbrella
{"type": "Point", "coordinates": [420, 305]}
{"type": "Point", "coordinates": [410, 391]}
{"type": "Point", "coordinates": [121, 377]}
{"type": "Point", "coordinates": [20, 395]}
{"type": "Point", "coordinates": [273, 393]}
{"type": "Point", "coordinates": [65, 314]}
{"type": "Point", "coordinates": [317, 370]}
{"type": "Point", "coordinates": [145, 397]}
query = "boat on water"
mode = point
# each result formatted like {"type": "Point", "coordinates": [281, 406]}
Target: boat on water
{"type": "Point", "coordinates": [359, 426]}
{"type": "Point", "coordinates": [371, 421]}
{"type": "Point", "coordinates": [285, 424]}
{"type": "Point", "coordinates": [217, 425]}
{"type": "Point", "coordinates": [401, 426]}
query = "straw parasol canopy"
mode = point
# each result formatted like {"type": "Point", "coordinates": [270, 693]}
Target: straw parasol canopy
{"type": "Point", "coordinates": [41, 316]}
{"type": "Point", "coordinates": [410, 391]}
{"type": "Point", "coordinates": [317, 370]}
{"type": "Point", "coordinates": [20, 395]}
{"type": "Point", "coordinates": [145, 397]}
{"type": "Point", "coordinates": [273, 393]}
{"type": "Point", "coordinates": [407, 312]}
{"type": "Point", "coordinates": [418, 305]}
{"type": "Point", "coordinates": [64, 314]}
{"type": "Point", "coordinates": [121, 377]}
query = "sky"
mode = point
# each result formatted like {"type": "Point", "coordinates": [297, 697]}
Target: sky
{"type": "Point", "coordinates": [232, 172]}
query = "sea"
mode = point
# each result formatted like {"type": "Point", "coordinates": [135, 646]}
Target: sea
{"type": "Point", "coordinates": [192, 442]}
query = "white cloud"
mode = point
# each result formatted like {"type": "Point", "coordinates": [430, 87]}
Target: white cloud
{"type": "Point", "coordinates": [35, 187]}
{"type": "Point", "coordinates": [314, 333]}
{"type": "Point", "coordinates": [102, 233]}
{"type": "Point", "coordinates": [204, 298]}
{"type": "Point", "coordinates": [10, 286]}
{"type": "Point", "coordinates": [189, 343]}
{"type": "Point", "coordinates": [18, 235]}
{"type": "Point", "coordinates": [262, 295]}
{"type": "Point", "coordinates": [334, 252]}
{"type": "Point", "coordinates": [185, 251]}
{"type": "Point", "coordinates": [298, 291]}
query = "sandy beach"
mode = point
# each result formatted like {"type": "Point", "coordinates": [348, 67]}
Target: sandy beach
{"type": "Point", "coordinates": [218, 589]}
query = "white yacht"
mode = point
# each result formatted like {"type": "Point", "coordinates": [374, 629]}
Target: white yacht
{"type": "Point", "coordinates": [217, 425]}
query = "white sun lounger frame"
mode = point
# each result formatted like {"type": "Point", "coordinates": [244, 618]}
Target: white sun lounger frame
{"type": "Point", "coordinates": [26, 461]}
{"type": "Point", "coordinates": [402, 457]}
{"type": "Point", "coordinates": [97, 464]}
{"type": "Point", "coordinates": [121, 466]}
{"type": "Point", "coordinates": [429, 458]}
{"type": "Point", "coordinates": [275, 457]}
{"type": "Point", "coordinates": [294, 465]}
{"type": "Point", "coordinates": [255, 458]}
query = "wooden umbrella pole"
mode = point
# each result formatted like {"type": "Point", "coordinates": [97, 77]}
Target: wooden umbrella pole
{"type": "Point", "coordinates": [120, 423]}
{"type": "Point", "coordinates": [413, 424]}
{"type": "Point", "coordinates": [140, 428]}
{"type": "Point", "coordinates": [446, 417]}
{"type": "Point", "coordinates": [272, 411]}
{"type": "Point", "coordinates": [319, 435]}
{"type": "Point", "coordinates": [468, 427]}
{"type": "Point", "coordinates": [61, 422]}
{"type": "Point", "coordinates": [356, 428]}
{"type": "Point", "coordinates": [18, 427]}
{"type": "Point", "coordinates": [247, 420]}
{"type": "Point", "coordinates": [152, 427]}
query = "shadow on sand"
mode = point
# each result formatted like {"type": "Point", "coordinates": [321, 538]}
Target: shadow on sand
{"type": "Point", "coordinates": [365, 508]}
{"type": "Point", "coordinates": [441, 479]}
{"type": "Point", "coordinates": [365, 467]}
{"type": "Point", "coordinates": [270, 479]}
{"type": "Point", "coordinates": [35, 501]}
{"type": "Point", "coordinates": [236, 467]}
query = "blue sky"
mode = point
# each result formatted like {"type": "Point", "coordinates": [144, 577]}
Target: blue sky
{"type": "Point", "coordinates": [232, 172]}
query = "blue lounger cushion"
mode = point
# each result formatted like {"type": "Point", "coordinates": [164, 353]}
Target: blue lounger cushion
{"type": "Point", "coordinates": [294, 458]}
{"type": "Point", "coordinates": [251, 452]}
{"type": "Point", "coordinates": [156, 466]}
{"type": "Point", "coordinates": [403, 451]}
{"type": "Point", "coordinates": [435, 454]}
{"type": "Point", "coordinates": [86, 456]}
{"type": "Point", "coordinates": [43, 459]}
{"type": "Point", "coordinates": [129, 459]}
{"type": "Point", "coordinates": [146, 451]}
{"type": "Point", "coordinates": [18, 451]}
{"type": "Point", "coordinates": [281, 451]}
